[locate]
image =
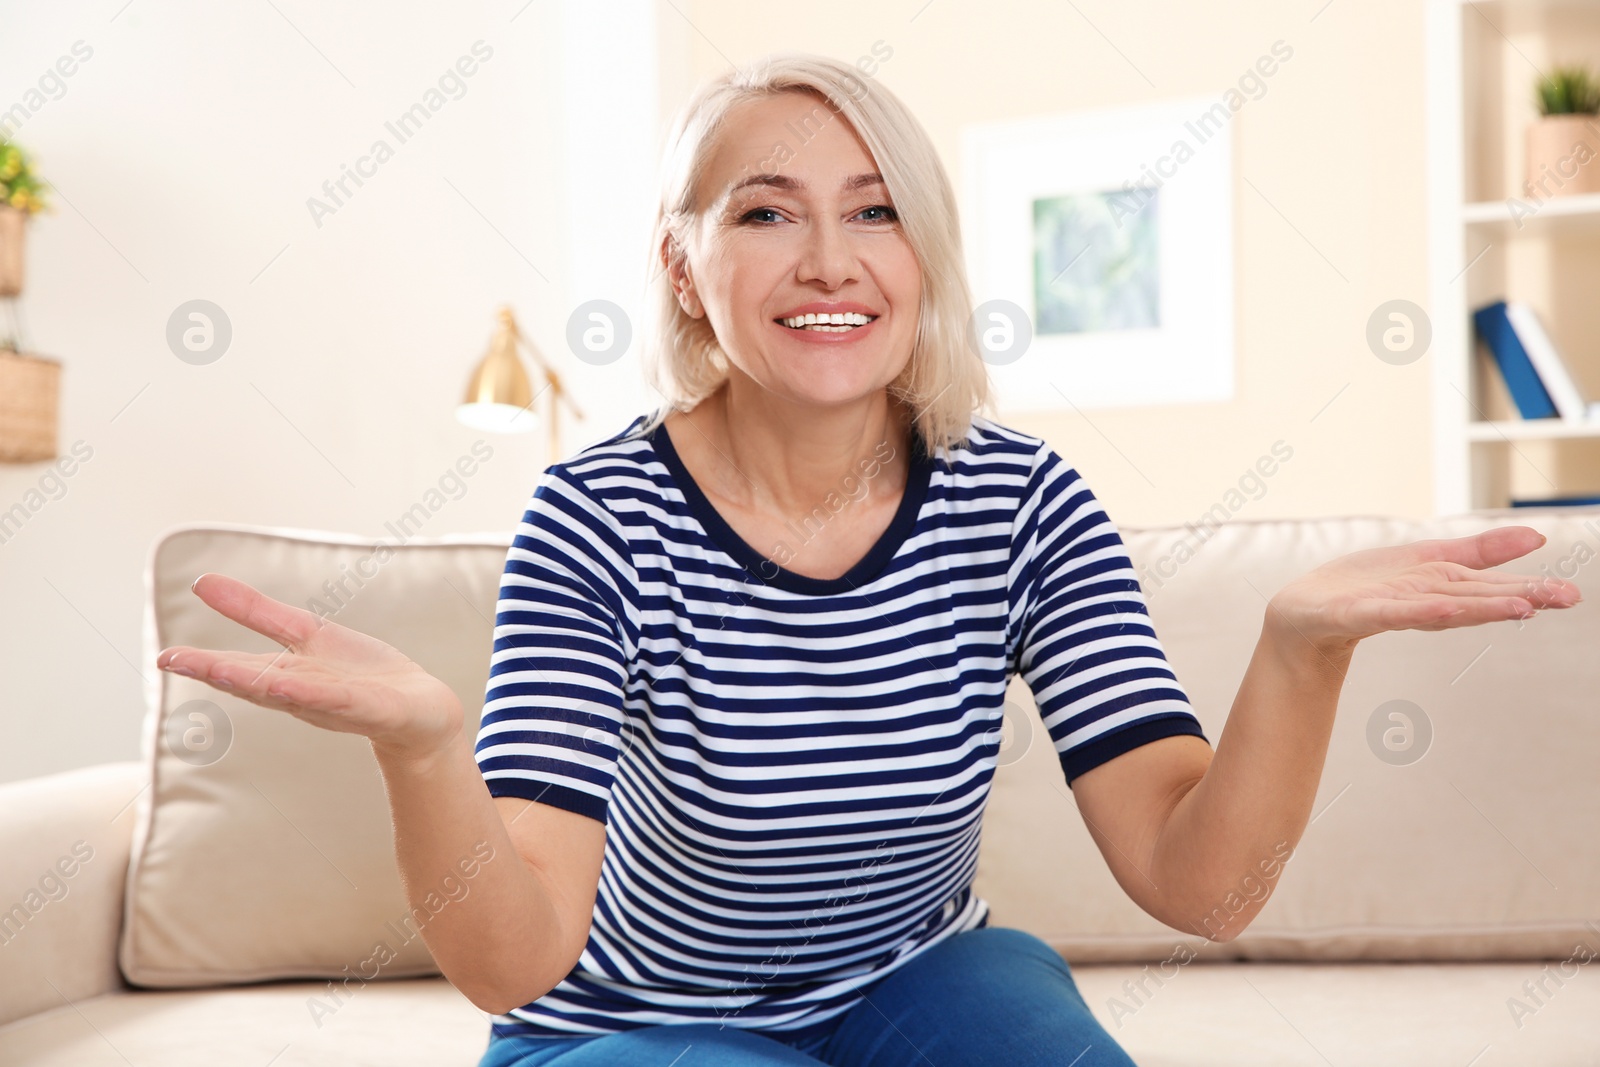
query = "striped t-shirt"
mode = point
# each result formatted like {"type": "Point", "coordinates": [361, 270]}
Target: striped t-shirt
{"type": "Point", "coordinates": [793, 771]}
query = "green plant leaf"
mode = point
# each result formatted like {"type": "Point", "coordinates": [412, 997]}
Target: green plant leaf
{"type": "Point", "coordinates": [1568, 90]}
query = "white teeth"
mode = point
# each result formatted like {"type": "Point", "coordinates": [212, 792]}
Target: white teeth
{"type": "Point", "coordinates": [838, 322]}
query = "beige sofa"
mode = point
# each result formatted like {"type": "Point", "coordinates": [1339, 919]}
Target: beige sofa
{"type": "Point", "coordinates": [225, 899]}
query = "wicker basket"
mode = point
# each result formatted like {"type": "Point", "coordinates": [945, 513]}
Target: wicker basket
{"type": "Point", "coordinates": [30, 391]}
{"type": "Point", "coordinates": [13, 224]}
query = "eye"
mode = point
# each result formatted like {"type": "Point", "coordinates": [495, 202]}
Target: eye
{"type": "Point", "coordinates": [750, 216]}
{"type": "Point", "coordinates": [889, 213]}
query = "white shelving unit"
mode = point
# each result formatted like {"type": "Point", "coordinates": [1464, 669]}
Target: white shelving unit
{"type": "Point", "coordinates": [1565, 211]}
{"type": "Point", "coordinates": [1483, 59]}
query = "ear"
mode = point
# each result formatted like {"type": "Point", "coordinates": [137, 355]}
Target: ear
{"type": "Point", "coordinates": [677, 268]}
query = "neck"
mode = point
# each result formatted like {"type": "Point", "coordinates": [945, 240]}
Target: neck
{"type": "Point", "coordinates": [789, 458]}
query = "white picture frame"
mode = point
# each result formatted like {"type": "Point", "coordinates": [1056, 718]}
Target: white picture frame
{"type": "Point", "coordinates": [1142, 327]}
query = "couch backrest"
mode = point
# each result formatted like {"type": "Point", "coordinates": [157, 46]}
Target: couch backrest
{"type": "Point", "coordinates": [263, 849]}
{"type": "Point", "coordinates": [1456, 813]}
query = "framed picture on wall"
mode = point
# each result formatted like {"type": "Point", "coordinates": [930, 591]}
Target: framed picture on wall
{"type": "Point", "coordinates": [1111, 233]}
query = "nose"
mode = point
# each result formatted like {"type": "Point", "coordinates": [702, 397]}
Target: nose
{"type": "Point", "coordinates": [828, 255]}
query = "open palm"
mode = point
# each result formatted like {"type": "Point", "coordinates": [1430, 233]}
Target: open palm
{"type": "Point", "coordinates": [1424, 585]}
{"type": "Point", "coordinates": [329, 675]}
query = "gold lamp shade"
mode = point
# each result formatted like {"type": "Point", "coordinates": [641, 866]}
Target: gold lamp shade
{"type": "Point", "coordinates": [500, 396]}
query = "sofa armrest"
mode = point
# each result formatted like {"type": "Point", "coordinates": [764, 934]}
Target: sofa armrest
{"type": "Point", "coordinates": [64, 844]}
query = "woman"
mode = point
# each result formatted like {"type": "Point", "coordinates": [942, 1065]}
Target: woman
{"type": "Point", "coordinates": [743, 705]}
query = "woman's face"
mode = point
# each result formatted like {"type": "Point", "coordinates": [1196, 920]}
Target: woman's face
{"type": "Point", "coordinates": [795, 220]}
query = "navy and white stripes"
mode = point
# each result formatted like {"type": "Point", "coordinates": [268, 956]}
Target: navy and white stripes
{"type": "Point", "coordinates": [793, 771]}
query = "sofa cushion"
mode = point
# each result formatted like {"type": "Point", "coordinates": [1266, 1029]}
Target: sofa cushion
{"type": "Point", "coordinates": [1468, 833]}
{"type": "Point", "coordinates": [264, 847]}
{"type": "Point", "coordinates": [423, 1022]}
{"type": "Point", "coordinates": [1198, 1015]}
{"type": "Point", "coordinates": [1316, 1014]}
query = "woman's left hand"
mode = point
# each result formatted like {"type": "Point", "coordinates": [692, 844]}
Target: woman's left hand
{"type": "Point", "coordinates": [1425, 585]}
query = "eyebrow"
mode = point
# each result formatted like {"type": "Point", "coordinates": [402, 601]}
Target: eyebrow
{"type": "Point", "coordinates": [789, 184]}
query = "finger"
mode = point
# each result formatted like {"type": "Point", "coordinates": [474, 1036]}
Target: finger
{"type": "Point", "coordinates": [1478, 610]}
{"type": "Point", "coordinates": [199, 662]}
{"type": "Point", "coordinates": [1540, 594]}
{"type": "Point", "coordinates": [259, 678]}
{"type": "Point", "coordinates": [1438, 612]}
{"type": "Point", "coordinates": [1490, 548]}
{"type": "Point", "coordinates": [244, 673]}
{"type": "Point", "coordinates": [1458, 573]}
{"type": "Point", "coordinates": [290, 626]}
{"type": "Point", "coordinates": [277, 686]}
{"type": "Point", "coordinates": [1552, 592]}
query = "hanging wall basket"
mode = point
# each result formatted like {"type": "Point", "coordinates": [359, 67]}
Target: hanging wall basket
{"type": "Point", "coordinates": [30, 389]}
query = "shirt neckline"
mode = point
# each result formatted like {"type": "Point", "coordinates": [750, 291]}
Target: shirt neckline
{"type": "Point", "coordinates": [918, 477]}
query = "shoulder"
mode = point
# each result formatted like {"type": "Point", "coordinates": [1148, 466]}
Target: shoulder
{"type": "Point", "coordinates": [618, 466]}
{"type": "Point", "coordinates": [1052, 501]}
{"type": "Point", "coordinates": [576, 518]}
{"type": "Point", "coordinates": [999, 454]}
{"type": "Point", "coordinates": [589, 504]}
{"type": "Point", "coordinates": [994, 443]}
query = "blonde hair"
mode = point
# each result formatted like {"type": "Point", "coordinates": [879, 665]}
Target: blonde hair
{"type": "Point", "coordinates": [945, 381]}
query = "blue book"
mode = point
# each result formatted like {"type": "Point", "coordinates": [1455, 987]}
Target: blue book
{"type": "Point", "coordinates": [1557, 502]}
{"type": "Point", "coordinates": [1522, 380]}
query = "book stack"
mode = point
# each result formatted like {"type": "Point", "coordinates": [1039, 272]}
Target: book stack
{"type": "Point", "coordinates": [1535, 375]}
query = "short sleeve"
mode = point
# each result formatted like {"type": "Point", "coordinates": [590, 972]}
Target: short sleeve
{"type": "Point", "coordinates": [1085, 643]}
{"type": "Point", "coordinates": [552, 725]}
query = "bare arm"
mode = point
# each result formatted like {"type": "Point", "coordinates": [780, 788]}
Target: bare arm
{"type": "Point", "coordinates": [1198, 840]}
{"type": "Point", "coordinates": [1217, 830]}
{"type": "Point", "coordinates": [530, 870]}
{"type": "Point", "coordinates": [521, 924]}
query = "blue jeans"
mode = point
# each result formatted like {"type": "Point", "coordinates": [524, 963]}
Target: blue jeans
{"type": "Point", "coordinates": [993, 995]}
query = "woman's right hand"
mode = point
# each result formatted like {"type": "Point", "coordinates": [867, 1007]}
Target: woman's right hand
{"type": "Point", "coordinates": [328, 675]}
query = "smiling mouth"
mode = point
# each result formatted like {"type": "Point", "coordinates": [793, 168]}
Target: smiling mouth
{"type": "Point", "coordinates": [842, 322]}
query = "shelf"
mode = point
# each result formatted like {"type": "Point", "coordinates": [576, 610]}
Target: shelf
{"type": "Point", "coordinates": [1525, 5]}
{"type": "Point", "coordinates": [1479, 76]}
{"type": "Point", "coordinates": [1531, 429]}
{"type": "Point", "coordinates": [1581, 213]}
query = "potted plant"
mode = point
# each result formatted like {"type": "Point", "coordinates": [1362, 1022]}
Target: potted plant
{"type": "Point", "coordinates": [19, 199]}
{"type": "Point", "coordinates": [1564, 142]}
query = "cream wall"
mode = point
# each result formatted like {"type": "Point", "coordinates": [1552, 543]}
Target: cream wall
{"type": "Point", "coordinates": [186, 148]}
{"type": "Point", "coordinates": [1329, 207]}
